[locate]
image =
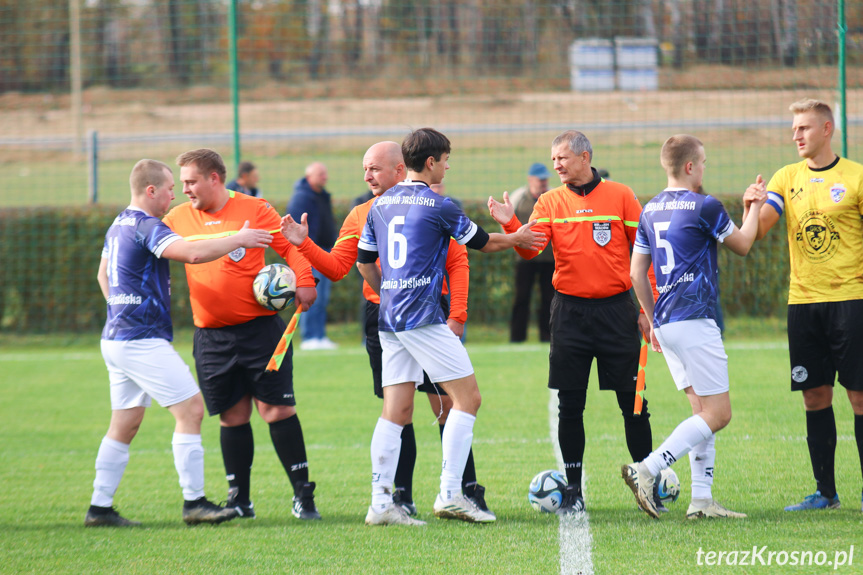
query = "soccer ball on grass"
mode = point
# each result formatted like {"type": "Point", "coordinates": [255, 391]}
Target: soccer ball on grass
{"type": "Point", "coordinates": [275, 286]}
{"type": "Point", "coordinates": [668, 486]}
{"type": "Point", "coordinates": [546, 491]}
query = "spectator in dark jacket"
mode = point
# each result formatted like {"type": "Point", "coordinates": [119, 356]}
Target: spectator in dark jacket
{"type": "Point", "coordinates": [312, 202]}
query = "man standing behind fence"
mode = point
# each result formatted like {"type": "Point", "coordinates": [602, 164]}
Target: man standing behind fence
{"type": "Point", "coordinates": [822, 197]}
{"type": "Point", "coordinates": [311, 198]}
{"type": "Point", "coordinates": [540, 268]}
{"type": "Point", "coordinates": [246, 181]}
{"type": "Point", "coordinates": [591, 224]}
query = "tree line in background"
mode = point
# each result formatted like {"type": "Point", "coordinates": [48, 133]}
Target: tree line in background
{"type": "Point", "coordinates": [177, 43]}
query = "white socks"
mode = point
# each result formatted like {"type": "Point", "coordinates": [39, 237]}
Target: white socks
{"type": "Point", "coordinates": [456, 440]}
{"type": "Point", "coordinates": [682, 440]}
{"type": "Point", "coordinates": [110, 464]}
{"type": "Point", "coordinates": [386, 445]}
{"type": "Point", "coordinates": [701, 461]}
{"type": "Point", "coordinates": [189, 461]}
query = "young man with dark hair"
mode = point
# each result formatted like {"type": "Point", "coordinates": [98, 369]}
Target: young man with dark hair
{"type": "Point", "coordinates": [409, 228]}
{"type": "Point", "coordinates": [384, 168]}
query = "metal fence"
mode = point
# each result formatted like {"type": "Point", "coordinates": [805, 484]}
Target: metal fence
{"type": "Point", "coordinates": [89, 87]}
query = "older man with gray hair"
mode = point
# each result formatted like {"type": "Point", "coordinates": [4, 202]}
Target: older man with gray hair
{"type": "Point", "coordinates": [591, 224]}
{"type": "Point", "coordinates": [311, 198]}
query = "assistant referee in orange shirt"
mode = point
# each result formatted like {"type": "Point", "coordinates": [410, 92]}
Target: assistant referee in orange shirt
{"type": "Point", "coordinates": [235, 336]}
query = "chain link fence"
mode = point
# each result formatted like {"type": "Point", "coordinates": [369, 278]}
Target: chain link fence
{"type": "Point", "coordinates": [88, 87]}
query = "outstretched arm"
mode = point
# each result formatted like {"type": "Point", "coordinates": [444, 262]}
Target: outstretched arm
{"type": "Point", "coordinates": [202, 251]}
{"type": "Point", "coordinates": [523, 238]}
{"type": "Point", "coordinates": [295, 232]}
{"type": "Point", "coordinates": [638, 272]}
{"type": "Point", "coordinates": [741, 239]}
{"type": "Point", "coordinates": [501, 212]}
{"type": "Point", "coordinates": [767, 217]}
{"type": "Point", "coordinates": [372, 274]}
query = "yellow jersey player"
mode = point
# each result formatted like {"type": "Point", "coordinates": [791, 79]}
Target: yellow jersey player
{"type": "Point", "coordinates": [822, 198]}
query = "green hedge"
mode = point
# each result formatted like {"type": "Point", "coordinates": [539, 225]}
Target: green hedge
{"type": "Point", "coordinates": [50, 257]}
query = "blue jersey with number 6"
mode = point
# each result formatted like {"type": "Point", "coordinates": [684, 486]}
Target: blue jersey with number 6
{"type": "Point", "coordinates": [679, 229]}
{"type": "Point", "coordinates": [410, 227]}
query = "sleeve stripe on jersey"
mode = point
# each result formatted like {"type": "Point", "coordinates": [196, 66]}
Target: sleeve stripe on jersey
{"type": "Point", "coordinates": [343, 238]}
{"type": "Point", "coordinates": [776, 201]}
{"type": "Point", "coordinates": [369, 247]}
{"type": "Point", "coordinates": [591, 219]}
{"type": "Point", "coordinates": [726, 231]}
{"type": "Point", "coordinates": [471, 232]}
{"type": "Point", "coordinates": [167, 241]}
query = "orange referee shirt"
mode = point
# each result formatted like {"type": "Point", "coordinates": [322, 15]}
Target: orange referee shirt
{"type": "Point", "coordinates": [591, 237]}
{"type": "Point", "coordinates": [336, 263]}
{"type": "Point", "coordinates": [221, 290]}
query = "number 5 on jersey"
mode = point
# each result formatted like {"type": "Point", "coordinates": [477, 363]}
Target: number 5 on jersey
{"type": "Point", "coordinates": [658, 228]}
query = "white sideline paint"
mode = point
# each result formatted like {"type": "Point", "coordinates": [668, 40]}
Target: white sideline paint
{"type": "Point", "coordinates": [575, 539]}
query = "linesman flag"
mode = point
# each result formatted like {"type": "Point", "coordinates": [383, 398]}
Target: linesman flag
{"type": "Point", "coordinates": [282, 348]}
{"type": "Point", "coordinates": [640, 381]}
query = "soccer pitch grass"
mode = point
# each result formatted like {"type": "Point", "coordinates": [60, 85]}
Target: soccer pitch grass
{"type": "Point", "coordinates": [55, 412]}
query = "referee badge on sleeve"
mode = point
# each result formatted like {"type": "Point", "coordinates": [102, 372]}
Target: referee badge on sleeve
{"type": "Point", "coordinates": [602, 232]}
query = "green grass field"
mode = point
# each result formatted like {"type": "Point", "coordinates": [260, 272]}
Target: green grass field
{"type": "Point", "coordinates": [56, 410]}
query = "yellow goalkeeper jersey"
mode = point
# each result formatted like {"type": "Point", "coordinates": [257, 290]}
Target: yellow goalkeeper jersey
{"type": "Point", "coordinates": [823, 210]}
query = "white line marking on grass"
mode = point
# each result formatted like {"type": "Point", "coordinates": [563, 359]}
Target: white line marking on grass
{"type": "Point", "coordinates": [575, 539]}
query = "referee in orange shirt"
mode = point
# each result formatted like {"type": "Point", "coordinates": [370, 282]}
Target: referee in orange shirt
{"type": "Point", "coordinates": [591, 224]}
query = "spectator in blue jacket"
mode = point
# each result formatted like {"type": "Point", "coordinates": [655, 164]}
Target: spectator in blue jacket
{"type": "Point", "coordinates": [312, 202]}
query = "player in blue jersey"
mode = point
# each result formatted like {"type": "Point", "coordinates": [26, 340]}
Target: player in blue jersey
{"type": "Point", "coordinates": [678, 231]}
{"type": "Point", "coordinates": [409, 227]}
{"type": "Point", "coordinates": [142, 364]}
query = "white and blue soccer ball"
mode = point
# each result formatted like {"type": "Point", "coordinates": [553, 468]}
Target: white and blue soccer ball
{"type": "Point", "coordinates": [275, 286]}
{"type": "Point", "coordinates": [546, 491]}
{"type": "Point", "coordinates": [668, 486]}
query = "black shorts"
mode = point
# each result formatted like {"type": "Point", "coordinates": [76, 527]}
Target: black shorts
{"type": "Point", "coordinates": [823, 339]}
{"type": "Point", "coordinates": [373, 347]}
{"type": "Point", "coordinates": [584, 329]}
{"type": "Point", "coordinates": [231, 363]}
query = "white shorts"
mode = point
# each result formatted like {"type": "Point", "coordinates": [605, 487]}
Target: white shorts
{"type": "Point", "coordinates": [695, 355]}
{"type": "Point", "coordinates": [143, 368]}
{"type": "Point", "coordinates": [433, 348]}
